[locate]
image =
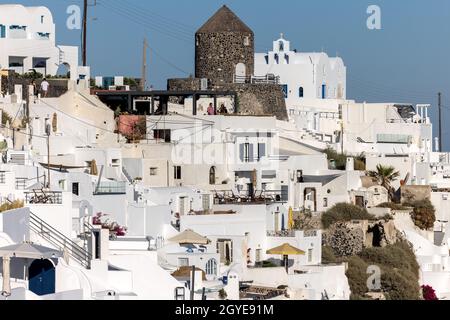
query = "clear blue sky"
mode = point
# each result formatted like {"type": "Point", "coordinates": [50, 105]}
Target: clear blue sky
{"type": "Point", "coordinates": [406, 61]}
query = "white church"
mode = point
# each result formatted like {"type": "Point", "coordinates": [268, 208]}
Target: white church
{"type": "Point", "coordinates": [27, 42]}
{"type": "Point", "coordinates": [304, 75]}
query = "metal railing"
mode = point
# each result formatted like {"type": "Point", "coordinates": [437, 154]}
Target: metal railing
{"type": "Point", "coordinates": [60, 241]}
{"type": "Point", "coordinates": [43, 197]}
{"type": "Point", "coordinates": [267, 79]}
{"type": "Point", "coordinates": [114, 187]}
{"type": "Point", "coordinates": [259, 196]}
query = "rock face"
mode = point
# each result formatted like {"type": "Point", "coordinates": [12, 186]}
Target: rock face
{"type": "Point", "coordinates": [350, 238]}
{"type": "Point", "coordinates": [224, 46]}
{"type": "Point", "coordinates": [344, 240]}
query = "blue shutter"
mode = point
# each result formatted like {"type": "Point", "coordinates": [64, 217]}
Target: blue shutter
{"type": "Point", "coordinates": [261, 150]}
{"type": "Point", "coordinates": [241, 152]}
{"type": "Point", "coordinates": [2, 31]}
{"type": "Point", "coordinates": [251, 156]}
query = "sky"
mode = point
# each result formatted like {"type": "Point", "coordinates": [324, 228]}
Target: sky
{"type": "Point", "coordinates": [406, 61]}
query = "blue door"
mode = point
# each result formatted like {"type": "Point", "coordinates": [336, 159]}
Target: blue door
{"type": "Point", "coordinates": [324, 91]}
{"type": "Point", "coordinates": [2, 31]}
{"type": "Point", "coordinates": [41, 277]}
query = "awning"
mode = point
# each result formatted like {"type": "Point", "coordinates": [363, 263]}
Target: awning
{"type": "Point", "coordinates": [189, 237]}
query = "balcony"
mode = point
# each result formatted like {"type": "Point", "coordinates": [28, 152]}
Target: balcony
{"type": "Point", "coordinates": [281, 234]}
{"type": "Point", "coordinates": [267, 79]}
{"type": "Point", "coordinates": [258, 197]}
{"type": "Point", "coordinates": [110, 188]}
{"type": "Point", "coordinates": [43, 197]}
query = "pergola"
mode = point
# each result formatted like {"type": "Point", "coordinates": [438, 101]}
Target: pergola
{"type": "Point", "coordinates": [25, 250]}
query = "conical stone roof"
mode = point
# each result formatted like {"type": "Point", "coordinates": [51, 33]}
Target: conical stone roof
{"type": "Point", "coordinates": [224, 20]}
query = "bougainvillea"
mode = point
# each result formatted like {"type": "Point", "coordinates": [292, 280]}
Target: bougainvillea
{"type": "Point", "coordinates": [429, 293]}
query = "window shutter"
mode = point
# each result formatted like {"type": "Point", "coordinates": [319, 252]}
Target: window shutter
{"type": "Point", "coordinates": [261, 150]}
{"type": "Point", "coordinates": [250, 153]}
{"type": "Point", "coordinates": [241, 152]}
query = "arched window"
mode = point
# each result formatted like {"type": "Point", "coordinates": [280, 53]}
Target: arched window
{"type": "Point", "coordinates": [212, 176]}
{"type": "Point", "coordinates": [211, 267]}
{"type": "Point", "coordinates": [281, 46]}
{"type": "Point", "coordinates": [301, 92]}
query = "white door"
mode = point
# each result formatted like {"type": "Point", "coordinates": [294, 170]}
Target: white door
{"type": "Point", "coordinates": [240, 73]}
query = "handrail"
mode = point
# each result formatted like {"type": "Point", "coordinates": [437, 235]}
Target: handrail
{"type": "Point", "coordinates": [60, 240]}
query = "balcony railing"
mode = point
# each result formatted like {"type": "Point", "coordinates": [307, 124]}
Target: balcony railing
{"type": "Point", "coordinates": [2, 177]}
{"type": "Point", "coordinates": [281, 234]}
{"type": "Point", "coordinates": [114, 187]}
{"type": "Point", "coordinates": [259, 196]}
{"type": "Point", "coordinates": [267, 79]}
{"type": "Point", "coordinates": [43, 197]}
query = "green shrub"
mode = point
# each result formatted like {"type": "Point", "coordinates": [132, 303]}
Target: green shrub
{"type": "Point", "coordinates": [400, 285]}
{"type": "Point", "coordinates": [328, 255]}
{"type": "Point", "coordinates": [424, 214]}
{"type": "Point", "coordinates": [357, 277]}
{"type": "Point", "coordinates": [6, 118]}
{"type": "Point", "coordinates": [395, 256]}
{"type": "Point", "coordinates": [345, 212]}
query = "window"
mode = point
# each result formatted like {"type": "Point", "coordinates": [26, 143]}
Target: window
{"type": "Point", "coordinates": [325, 202]}
{"type": "Point", "coordinates": [2, 177]}
{"type": "Point", "coordinates": [261, 151]}
{"type": "Point", "coordinates": [76, 188]}
{"type": "Point", "coordinates": [225, 249]}
{"type": "Point", "coordinates": [153, 171]}
{"type": "Point", "coordinates": [42, 19]}
{"type": "Point", "coordinates": [285, 89]}
{"type": "Point", "coordinates": [177, 172]}
{"type": "Point", "coordinates": [281, 45]}
{"type": "Point", "coordinates": [211, 267]}
{"type": "Point", "coordinates": [115, 163]}
{"type": "Point", "coordinates": [301, 92]}
{"type": "Point", "coordinates": [212, 176]}
{"type": "Point", "coordinates": [246, 41]}
{"type": "Point", "coordinates": [206, 202]}
{"type": "Point", "coordinates": [246, 152]}
{"type": "Point", "coordinates": [183, 262]}
{"type": "Point", "coordinates": [2, 31]}
{"type": "Point", "coordinates": [310, 255]}
{"type": "Point", "coordinates": [162, 134]}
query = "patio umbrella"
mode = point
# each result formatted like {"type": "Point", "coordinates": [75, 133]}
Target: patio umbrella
{"type": "Point", "coordinates": [286, 250]}
{"type": "Point", "coordinates": [291, 223]}
{"type": "Point", "coordinates": [189, 237]}
{"type": "Point", "coordinates": [94, 169]}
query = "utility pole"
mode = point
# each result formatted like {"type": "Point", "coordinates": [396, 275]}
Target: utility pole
{"type": "Point", "coordinates": [440, 120]}
{"type": "Point", "coordinates": [85, 11]}
{"type": "Point", "coordinates": [143, 83]}
{"type": "Point", "coordinates": [47, 131]}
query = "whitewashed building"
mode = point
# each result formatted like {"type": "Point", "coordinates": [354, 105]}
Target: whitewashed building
{"type": "Point", "coordinates": [28, 41]}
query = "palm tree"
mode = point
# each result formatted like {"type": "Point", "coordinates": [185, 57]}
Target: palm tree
{"type": "Point", "coordinates": [385, 176]}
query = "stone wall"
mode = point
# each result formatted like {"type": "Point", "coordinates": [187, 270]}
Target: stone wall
{"type": "Point", "coordinates": [253, 99]}
{"type": "Point", "coordinates": [217, 54]}
{"type": "Point", "coordinates": [259, 99]}
{"type": "Point", "coordinates": [184, 84]}
{"type": "Point", "coordinates": [57, 86]}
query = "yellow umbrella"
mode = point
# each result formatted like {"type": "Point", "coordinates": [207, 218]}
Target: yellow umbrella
{"type": "Point", "coordinates": [291, 222]}
{"type": "Point", "coordinates": [286, 250]}
{"type": "Point", "coordinates": [93, 169]}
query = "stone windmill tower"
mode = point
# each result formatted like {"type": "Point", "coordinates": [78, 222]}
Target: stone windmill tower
{"type": "Point", "coordinates": [224, 49]}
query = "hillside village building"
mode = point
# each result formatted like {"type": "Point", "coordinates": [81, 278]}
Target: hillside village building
{"type": "Point", "coordinates": [28, 42]}
{"type": "Point", "coordinates": [120, 215]}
